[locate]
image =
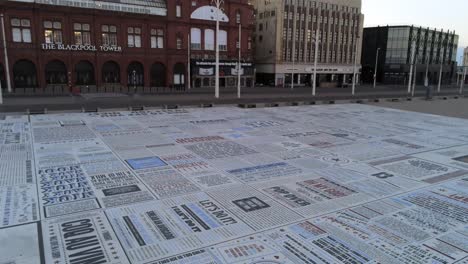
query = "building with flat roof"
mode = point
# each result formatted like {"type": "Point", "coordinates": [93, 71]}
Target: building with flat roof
{"type": "Point", "coordinates": [121, 45]}
{"type": "Point", "coordinates": [433, 49]}
{"type": "Point", "coordinates": [285, 41]}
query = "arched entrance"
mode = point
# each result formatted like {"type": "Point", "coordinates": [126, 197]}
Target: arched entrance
{"type": "Point", "coordinates": [56, 72]}
{"type": "Point", "coordinates": [84, 71]}
{"type": "Point", "coordinates": [198, 82]}
{"type": "Point", "coordinates": [24, 74]}
{"type": "Point", "coordinates": [158, 75]}
{"type": "Point", "coordinates": [179, 75]}
{"type": "Point", "coordinates": [135, 73]}
{"type": "Point", "coordinates": [206, 82]}
{"type": "Point", "coordinates": [110, 72]}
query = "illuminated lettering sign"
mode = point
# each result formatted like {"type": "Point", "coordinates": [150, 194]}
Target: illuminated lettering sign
{"type": "Point", "coordinates": [75, 47]}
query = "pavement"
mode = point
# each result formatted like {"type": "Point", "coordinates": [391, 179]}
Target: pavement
{"type": "Point", "coordinates": [451, 107]}
{"type": "Point", "coordinates": [342, 183]}
{"type": "Point", "coordinates": [91, 102]}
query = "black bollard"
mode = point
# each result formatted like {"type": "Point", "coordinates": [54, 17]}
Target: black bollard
{"type": "Point", "coordinates": [429, 90]}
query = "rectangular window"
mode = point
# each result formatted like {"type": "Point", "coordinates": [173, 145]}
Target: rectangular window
{"type": "Point", "coordinates": [82, 33]}
{"type": "Point", "coordinates": [195, 38]}
{"type": "Point", "coordinates": [21, 30]}
{"type": "Point", "coordinates": [109, 35]}
{"type": "Point", "coordinates": [134, 37]}
{"type": "Point", "coordinates": [53, 32]}
{"type": "Point", "coordinates": [157, 38]}
{"type": "Point", "coordinates": [178, 10]}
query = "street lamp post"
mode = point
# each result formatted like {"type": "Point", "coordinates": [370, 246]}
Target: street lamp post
{"type": "Point", "coordinates": [415, 74]}
{"type": "Point", "coordinates": [440, 78]}
{"type": "Point", "coordinates": [239, 67]}
{"type": "Point", "coordinates": [462, 84]}
{"type": "Point", "coordinates": [412, 59]}
{"type": "Point", "coordinates": [426, 78]}
{"type": "Point", "coordinates": [354, 68]}
{"type": "Point", "coordinates": [375, 68]}
{"type": "Point", "coordinates": [134, 81]}
{"type": "Point", "coordinates": [314, 84]}
{"type": "Point", "coordinates": [1, 92]}
{"type": "Point", "coordinates": [293, 52]}
{"type": "Point", "coordinates": [293, 67]}
{"type": "Point", "coordinates": [218, 4]}
{"type": "Point", "coordinates": [189, 77]}
{"type": "Point", "coordinates": [5, 53]}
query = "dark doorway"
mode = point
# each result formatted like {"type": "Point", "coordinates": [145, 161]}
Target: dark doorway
{"type": "Point", "coordinates": [84, 71]}
{"type": "Point", "coordinates": [111, 72]}
{"type": "Point", "coordinates": [198, 83]}
{"type": "Point", "coordinates": [158, 75]}
{"type": "Point", "coordinates": [135, 73]}
{"type": "Point", "coordinates": [56, 72]}
{"type": "Point", "coordinates": [24, 74]}
{"type": "Point", "coordinates": [179, 75]}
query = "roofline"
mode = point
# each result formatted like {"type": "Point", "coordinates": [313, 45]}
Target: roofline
{"type": "Point", "coordinates": [409, 26]}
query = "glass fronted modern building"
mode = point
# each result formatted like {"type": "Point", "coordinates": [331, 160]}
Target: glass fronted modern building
{"type": "Point", "coordinates": [433, 50]}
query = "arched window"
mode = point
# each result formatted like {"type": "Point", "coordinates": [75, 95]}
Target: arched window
{"type": "Point", "coordinates": [56, 72]}
{"type": "Point", "coordinates": [222, 40]}
{"type": "Point", "coordinates": [84, 72]}
{"type": "Point", "coordinates": [110, 72]}
{"type": "Point", "coordinates": [135, 74]}
{"type": "Point", "coordinates": [179, 74]}
{"type": "Point", "coordinates": [24, 74]}
{"type": "Point", "coordinates": [195, 38]}
{"type": "Point", "coordinates": [207, 13]}
{"type": "Point", "coordinates": [158, 75]}
{"type": "Point", "coordinates": [209, 39]}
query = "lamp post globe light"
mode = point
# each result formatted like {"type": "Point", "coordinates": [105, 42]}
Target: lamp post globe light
{"type": "Point", "coordinates": [217, 4]}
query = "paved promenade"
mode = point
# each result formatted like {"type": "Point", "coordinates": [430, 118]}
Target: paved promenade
{"type": "Point", "coordinates": [343, 183]}
{"type": "Point", "coordinates": [204, 96]}
{"type": "Point", "coordinates": [454, 108]}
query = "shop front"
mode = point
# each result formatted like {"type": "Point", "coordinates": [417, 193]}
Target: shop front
{"type": "Point", "coordinates": [203, 73]}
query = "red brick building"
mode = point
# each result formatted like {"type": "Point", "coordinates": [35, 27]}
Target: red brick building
{"type": "Point", "coordinates": [113, 45]}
